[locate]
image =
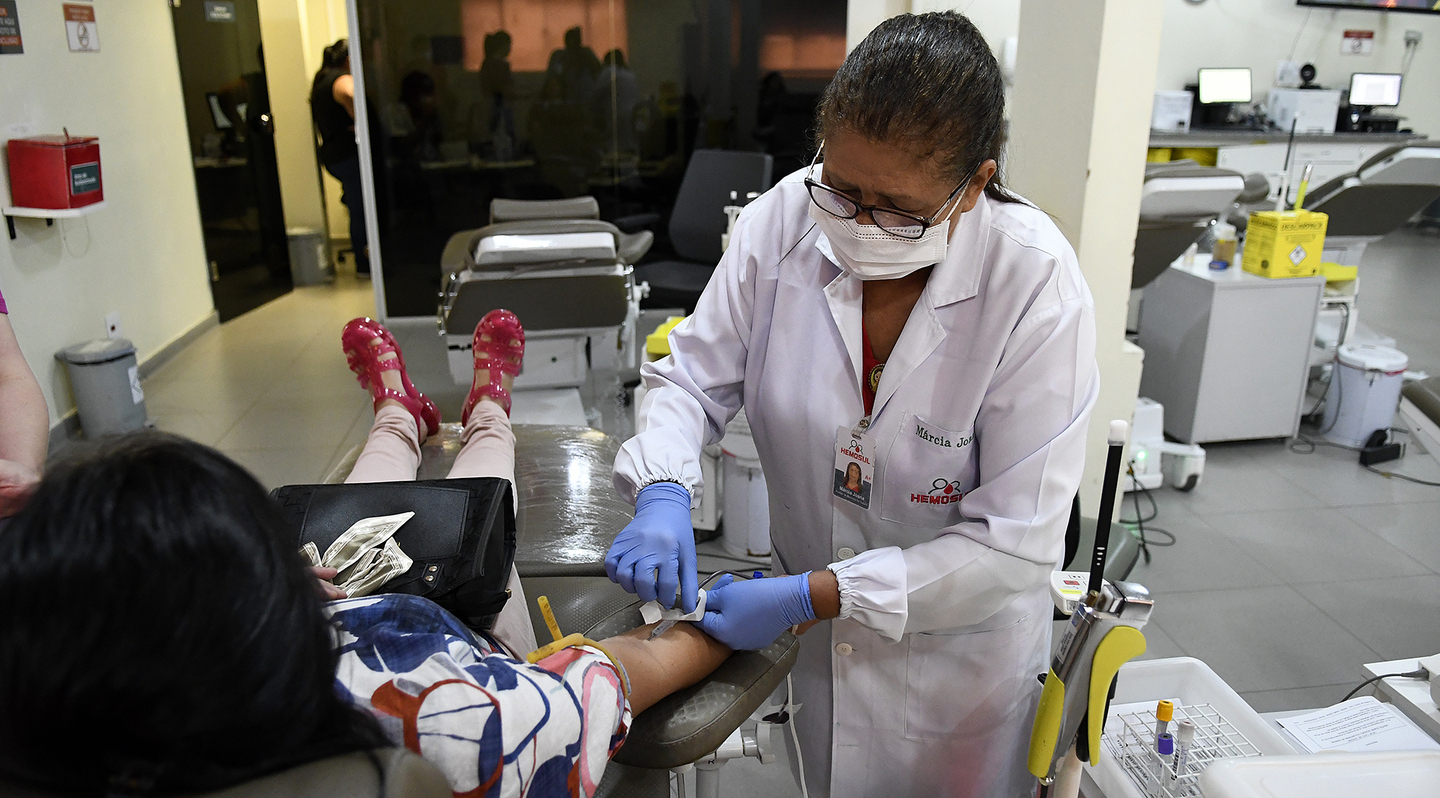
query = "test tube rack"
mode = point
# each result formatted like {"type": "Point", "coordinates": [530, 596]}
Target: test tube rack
{"type": "Point", "coordinates": [1130, 738]}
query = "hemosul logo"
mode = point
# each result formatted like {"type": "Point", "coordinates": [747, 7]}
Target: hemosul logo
{"type": "Point", "coordinates": [854, 452]}
{"type": "Point", "coordinates": [943, 491]}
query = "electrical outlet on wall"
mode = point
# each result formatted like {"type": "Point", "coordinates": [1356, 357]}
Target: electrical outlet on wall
{"type": "Point", "coordinates": [112, 325]}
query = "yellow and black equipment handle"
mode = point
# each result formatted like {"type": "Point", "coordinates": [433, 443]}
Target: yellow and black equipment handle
{"type": "Point", "coordinates": [1104, 633]}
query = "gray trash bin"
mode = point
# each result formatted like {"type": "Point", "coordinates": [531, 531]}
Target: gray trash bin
{"type": "Point", "coordinates": [309, 257]}
{"type": "Point", "coordinates": [104, 376]}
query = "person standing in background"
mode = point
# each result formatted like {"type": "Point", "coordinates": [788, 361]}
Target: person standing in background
{"type": "Point", "coordinates": [332, 106]}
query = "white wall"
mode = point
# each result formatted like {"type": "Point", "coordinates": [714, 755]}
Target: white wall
{"type": "Point", "coordinates": [1088, 173]}
{"type": "Point", "coordinates": [142, 255]}
{"type": "Point", "coordinates": [998, 20]}
{"type": "Point", "coordinates": [1256, 34]}
{"type": "Point", "coordinates": [288, 77]}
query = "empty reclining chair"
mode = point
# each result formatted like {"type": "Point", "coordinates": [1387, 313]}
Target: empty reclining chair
{"type": "Point", "coordinates": [558, 267]}
{"type": "Point", "coordinates": [697, 222]}
{"type": "Point", "coordinates": [1179, 199]}
{"type": "Point", "coordinates": [1376, 199]}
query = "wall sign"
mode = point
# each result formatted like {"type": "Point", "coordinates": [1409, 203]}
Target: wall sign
{"type": "Point", "coordinates": [10, 43]}
{"type": "Point", "coordinates": [80, 28]}
{"type": "Point", "coordinates": [1357, 42]}
{"type": "Point", "coordinates": [219, 11]}
{"type": "Point", "coordinates": [84, 178]}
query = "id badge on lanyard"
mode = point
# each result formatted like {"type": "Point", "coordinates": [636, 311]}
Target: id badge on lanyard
{"type": "Point", "coordinates": [855, 464]}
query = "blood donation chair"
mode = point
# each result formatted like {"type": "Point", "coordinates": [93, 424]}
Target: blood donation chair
{"type": "Point", "coordinates": [1178, 201]}
{"type": "Point", "coordinates": [1420, 412]}
{"type": "Point", "coordinates": [567, 516]}
{"type": "Point", "coordinates": [554, 264]}
{"type": "Point", "coordinates": [1376, 199]}
{"type": "Point", "coordinates": [1365, 206]}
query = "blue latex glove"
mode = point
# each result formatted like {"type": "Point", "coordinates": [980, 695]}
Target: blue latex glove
{"type": "Point", "coordinates": [751, 613]}
{"type": "Point", "coordinates": [655, 553]}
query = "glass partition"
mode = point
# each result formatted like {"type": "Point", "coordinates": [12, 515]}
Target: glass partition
{"type": "Point", "coordinates": [538, 99]}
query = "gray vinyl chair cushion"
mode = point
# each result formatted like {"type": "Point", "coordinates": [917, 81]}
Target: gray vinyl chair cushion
{"type": "Point", "coordinates": [1186, 168]}
{"type": "Point", "coordinates": [568, 512]}
{"type": "Point", "coordinates": [1425, 394]}
{"type": "Point", "coordinates": [697, 222]}
{"type": "Point", "coordinates": [1380, 156]}
{"type": "Point", "coordinates": [1257, 188]}
{"type": "Point", "coordinates": [1372, 209]}
{"type": "Point", "coordinates": [690, 723]}
{"type": "Point", "coordinates": [402, 774]}
{"type": "Point", "coordinates": [459, 252]}
{"type": "Point", "coordinates": [1158, 243]}
{"type": "Point", "coordinates": [508, 210]}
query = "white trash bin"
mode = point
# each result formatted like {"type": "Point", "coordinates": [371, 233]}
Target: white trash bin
{"type": "Point", "coordinates": [106, 380]}
{"type": "Point", "coordinates": [1364, 392]}
{"type": "Point", "coordinates": [309, 257]}
{"type": "Point", "coordinates": [747, 505]}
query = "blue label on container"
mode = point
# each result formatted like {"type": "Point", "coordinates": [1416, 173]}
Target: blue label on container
{"type": "Point", "coordinates": [84, 178]}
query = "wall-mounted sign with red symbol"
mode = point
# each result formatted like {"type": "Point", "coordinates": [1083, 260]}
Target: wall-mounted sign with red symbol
{"type": "Point", "coordinates": [80, 28]}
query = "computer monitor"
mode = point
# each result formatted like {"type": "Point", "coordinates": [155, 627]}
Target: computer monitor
{"type": "Point", "coordinates": [1229, 85]}
{"type": "Point", "coordinates": [1374, 88]}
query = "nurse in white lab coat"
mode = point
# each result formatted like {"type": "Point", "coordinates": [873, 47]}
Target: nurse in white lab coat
{"type": "Point", "coordinates": [970, 433]}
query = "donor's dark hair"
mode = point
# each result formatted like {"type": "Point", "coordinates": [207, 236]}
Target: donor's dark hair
{"type": "Point", "coordinates": [927, 82]}
{"type": "Point", "coordinates": [159, 633]}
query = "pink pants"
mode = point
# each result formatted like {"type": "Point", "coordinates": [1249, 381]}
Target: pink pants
{"type": "Point", "coordinates": [392, 454]}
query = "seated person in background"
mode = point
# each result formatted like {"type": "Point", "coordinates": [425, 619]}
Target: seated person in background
{"type": "Point", "coordinates": [162, 635]}
{"type": "Point", "coordinates": [24, 422]}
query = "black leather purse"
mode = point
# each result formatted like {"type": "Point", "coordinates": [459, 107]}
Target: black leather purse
{"type": "Point", "coordinates": [461, 539]}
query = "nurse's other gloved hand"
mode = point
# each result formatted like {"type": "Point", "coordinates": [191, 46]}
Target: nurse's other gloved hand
{"type": "Point", "coordinates": [751, 613]}
{"type": "Point", "coordinates": [655, 553]}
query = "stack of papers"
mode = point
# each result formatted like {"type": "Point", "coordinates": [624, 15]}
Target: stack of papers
{"type": "Point", "coordinates": [1360, 724]}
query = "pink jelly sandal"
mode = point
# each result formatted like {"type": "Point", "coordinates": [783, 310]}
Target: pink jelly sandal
{"type": "Point", "coordinates": [502, 354]}
{"type": "Point", "coordinates": [363, 357]}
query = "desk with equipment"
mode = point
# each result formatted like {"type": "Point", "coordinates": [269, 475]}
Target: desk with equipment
{"type": "Point", "coordinates": [1335, 130]}
{"type": "Point", "coordinates": [1263, 152]}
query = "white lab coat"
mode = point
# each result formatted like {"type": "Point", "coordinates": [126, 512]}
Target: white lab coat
{"type": "Point", "coordinates": [926, 683]}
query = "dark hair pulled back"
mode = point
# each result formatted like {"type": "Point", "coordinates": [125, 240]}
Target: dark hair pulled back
{"type": "Point", "coordinates": [336, 55]}
{"type": "Point", "coordinates": [927, 82]}
{"type": "Point", "coordinates": [160, 632]}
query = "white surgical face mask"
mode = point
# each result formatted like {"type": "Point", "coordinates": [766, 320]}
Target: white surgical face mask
{"type": "Point", "coordinates": [870, 253]}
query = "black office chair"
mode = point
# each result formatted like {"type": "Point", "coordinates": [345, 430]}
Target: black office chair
{"type": "Point", "coordinates": [698, 221]}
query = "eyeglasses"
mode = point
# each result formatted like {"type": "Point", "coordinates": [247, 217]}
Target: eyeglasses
{"type": "Point", "coordinates": [897, 223]}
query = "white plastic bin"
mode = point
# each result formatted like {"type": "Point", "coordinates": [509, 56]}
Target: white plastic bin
{"type": "Point", "coordinates": [106, 381]}
{"type": "Point", "coordinates": [1395, 774]}
{"type": "Point", "coordinates": [309, 257]}
{"type": "Point", "coordinates": [747, 505]}
{"type": "Point", "coordinates": [1190, 681]}
{"type": "Point", "coordinates": [1364, 392]}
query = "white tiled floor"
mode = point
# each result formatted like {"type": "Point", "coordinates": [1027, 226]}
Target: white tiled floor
{"type": "Point", "coordinates": [1289, 570]}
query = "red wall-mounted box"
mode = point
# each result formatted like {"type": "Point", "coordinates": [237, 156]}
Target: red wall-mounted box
{"type": "Point", "coordinates": [55, 172]}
